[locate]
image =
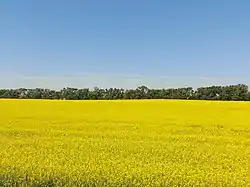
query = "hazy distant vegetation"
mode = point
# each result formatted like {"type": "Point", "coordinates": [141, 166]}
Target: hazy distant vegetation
{"type": "Point", "coordinates": [238, 92]}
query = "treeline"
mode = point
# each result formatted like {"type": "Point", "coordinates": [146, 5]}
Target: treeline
{"type": "Point", "coordinates": [227, 93]}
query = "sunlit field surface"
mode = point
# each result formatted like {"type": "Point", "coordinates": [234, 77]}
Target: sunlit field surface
{"type": "Point", "coordinates": [124, 143]}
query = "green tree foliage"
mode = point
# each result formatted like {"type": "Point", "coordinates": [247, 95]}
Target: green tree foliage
{"type": "Point", "coordinates": [226, 93]}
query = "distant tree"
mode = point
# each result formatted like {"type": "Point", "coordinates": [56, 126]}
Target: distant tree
{"type": "Point", "coordinates": [231, 93]}
{"type": "Point", "coordinates": [248, 96]}
{"type": "Point", "coordinates": [141, 92]}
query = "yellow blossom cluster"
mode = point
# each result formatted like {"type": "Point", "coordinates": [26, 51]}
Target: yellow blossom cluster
{"type": "Point", "coordinates": [124, 143]}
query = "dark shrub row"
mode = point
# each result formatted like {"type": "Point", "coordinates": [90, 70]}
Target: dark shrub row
{"type": "Point", "coordinates": [227, 93]}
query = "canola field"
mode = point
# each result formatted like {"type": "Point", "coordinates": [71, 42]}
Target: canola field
{"type": "Point", "coordinates": [124, 143]}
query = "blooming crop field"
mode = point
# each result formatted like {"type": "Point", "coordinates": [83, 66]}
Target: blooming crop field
{"type": "Point", "coordinates": [124, 143]}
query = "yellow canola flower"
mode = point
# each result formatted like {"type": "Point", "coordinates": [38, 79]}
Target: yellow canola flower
{"type": "Point", "coordinates": [124, 143]}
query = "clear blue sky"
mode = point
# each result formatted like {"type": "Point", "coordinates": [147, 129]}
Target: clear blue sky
{"type": "Point", "coordinates": [113, 39]}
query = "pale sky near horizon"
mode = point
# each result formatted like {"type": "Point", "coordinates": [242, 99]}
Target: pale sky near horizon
{"type": "Point", "coordinates": [112, 43]}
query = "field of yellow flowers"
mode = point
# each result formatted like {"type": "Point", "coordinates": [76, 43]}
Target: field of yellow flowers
{"type": "Point", "coordinates": [124, 143]}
